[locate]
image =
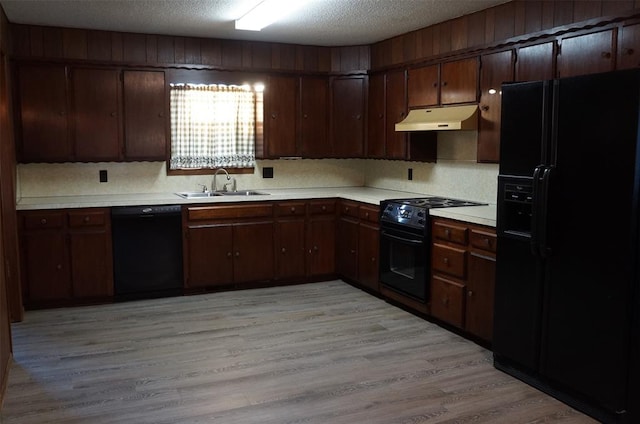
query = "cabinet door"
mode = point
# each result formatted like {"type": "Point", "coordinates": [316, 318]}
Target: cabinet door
{"type": "Point", "coordinates": [280, 116]}
{"type": "Point", "coordinates": [313, 117]}
{"type": "Point", "coordinates": [480, 289]}
{"type": "Point", "coordinates": [321, 242]}
{"type": "Point", "coordinates": [347, 116]}
{"type": "Point", "coordinates": [91, 263]}
{"type": "Point", "coordinates": [347, 249]}
{"type": "Point", "coordinates": [43, 114]}
{"type": "Point", "coordinates": [368, 251]}
{"type": "Point", "coordinates": [376, 117]}
{"type": "Point", "coordinates": [253, 252]}
{"type": "Point", "coordinates": [209, 256]}
{"type": "Point", "coordinates": [423, 86]}
{"type": "Point", "coordinates": [459, 81]}
{"type": "Point", "coordinates": [586, 54]}
{"type": "Point", "coordinates": [447, 301]}
{"type": "Point", "coordinates": [535, 63]}
{"type": "Point", "coordinates": [629, 47]}
{"type": "Point", "coordinates": [96, 117]}
{"type": "Point", "coordinates": [496, 69]}
{"type": "Point", "coordinates": [46, 265]}
{"type": "Point", "coordinates": [145, 135]}
{"type": "Point", "coordinates": [290, 249]}
{"type": "Point", "coordinates": [396, 110]}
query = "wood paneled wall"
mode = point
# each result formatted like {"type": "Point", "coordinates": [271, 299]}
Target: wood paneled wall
{"type": "Point", "coordinates": [518, 19]}
{"type": "Point", "coordinates": [5, 332]}
{"type": "Point", "coordinates": [161, 50]}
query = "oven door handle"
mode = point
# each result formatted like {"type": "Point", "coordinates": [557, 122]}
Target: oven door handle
{"type": "Point", "coordinates": [402, 239]}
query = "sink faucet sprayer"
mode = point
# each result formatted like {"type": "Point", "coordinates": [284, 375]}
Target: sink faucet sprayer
{"type": "Point", "coordinates": [214, 185]}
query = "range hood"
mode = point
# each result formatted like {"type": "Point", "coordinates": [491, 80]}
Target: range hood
{"type": "Point", "coordinates": [441, 119]}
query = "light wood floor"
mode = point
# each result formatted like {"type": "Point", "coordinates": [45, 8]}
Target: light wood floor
{"type": "Point", "coordinates": [318, 353]}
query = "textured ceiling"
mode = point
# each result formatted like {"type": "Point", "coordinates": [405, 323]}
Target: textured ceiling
{"type": "Point", "coordinates": [318, 22]}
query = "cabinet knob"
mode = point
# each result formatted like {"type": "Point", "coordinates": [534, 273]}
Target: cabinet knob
{"type": "Point", "coordinates": [366, 215]}
{"type": "Point", "coordinates": [629, 51]}
{"type": "Point", "coordinates": [86, 219]}
{"type": "Point", "coordinates": [284, 250]}
{"type": "Point", "coordinates": [161, 115]}
{"type": "Point", "coordinates": [445, 301]}
{"type": "Point", "coordinates": [237, 254]}
{"type": "Point", "coordinates": [59, 267]}
{"type": "Point", "coordinates": [346, 209]}
{"type": "Point", "coordinates": [373, 259]}
{"type": "Point", "coordinates": [305, 116]}
{"type": "Point", "coordinates": [324, 208]}
{"type": "Point", "coordinates": [358, 117]}
{"type": "Point", "coordinates": [446, 261]}
{"type": "Point", "coordinates": [229, 254]}
{"type": "Point", "coordinates": [447, 232]}
{"type": "Point", "coordinates": [470, 293]}
{"type": "Point", "coordinates": [113, 114]}
{"type": "Point", "coordinates": [315, 248]}
{"type": "Point", "coordinates": [43, 221]}
{"type": "Point", "coordinates": [606, 55]}
{"type": "Point", "coordinates": [293, 209]}
{"type": "Point", "coordinates": [444, 83]}
{"type": "Point", "coordinates": [274, 115]}
{"type": "Point", "coordinates": [380, 116]}
{"type": "Point", "coordinates": [435, 84]}
{"type": "Point", "coordinates": [484, 108]}
{"type": "Point", "coordinates": [352, 251]}
{"type": "Point", "coordinates": [487, 241]}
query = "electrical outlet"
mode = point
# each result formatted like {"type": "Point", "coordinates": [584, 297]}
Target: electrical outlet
{"type": "Point", "coordinates": [103, 176]}
{"type": "Point", "coordinates": [410, 174]}
{"type": "Point", "coordinates": [267, 172]}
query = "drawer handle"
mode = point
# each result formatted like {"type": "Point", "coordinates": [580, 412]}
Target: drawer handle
{"type": "Point", "coordinates": [487, 241]}
{"type": "Point", "coordinates": [447, 232]}
{"type": "Point", "coordinates": [293, 209]}
{"type": "Point", "coordinates": [43, 221]}
{"type": "Point", "coordinates": [346, 209]}
{"type": "Point", "coordinates": [628, 51]}
{"type": "Point", "coordinates": [366, 215]}
{"type": "Point", "coordinates": [446, 261]}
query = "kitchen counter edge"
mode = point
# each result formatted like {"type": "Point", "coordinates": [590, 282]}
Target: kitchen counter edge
{"type": "Point", "coordinates": [482, 215]}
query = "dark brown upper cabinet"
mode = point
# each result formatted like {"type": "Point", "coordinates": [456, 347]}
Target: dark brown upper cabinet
{"type": "Point", "coordinates": [96, 114]}
{"type": "Point", "coordinates": [280, 110]}
{"type": "Point", "coordinates": [443, 84]}
{"type": "Point", "coordinates": [586, 54]}
{"type": "Point", "coordinates": [145, 126]}
{"type": "Point", "coordinates": [376, 117]}
{"type": "Point", "coordinates": [313, 122]}
{"type": "Point", "coordinates": [347, 116]}
{"type": "Point", "coordinates": [629, 46]}
{"type": "Point", "coordinates": [496, 68]}
{"type": "Point", "coordinates": [42, 121]}
{"type": "Point", "coordinates": [535, 62]}
{"type": "Point", "coordinates": [395, 111]}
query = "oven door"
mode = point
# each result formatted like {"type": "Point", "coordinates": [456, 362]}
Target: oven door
{"type": "Point", "coordinates": [403, 262]}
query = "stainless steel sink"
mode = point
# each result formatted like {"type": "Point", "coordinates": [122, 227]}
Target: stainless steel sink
{"type": "Point", "coordinates": [197, 194]}
{"type": "Point", "coordinates": [243, 193]}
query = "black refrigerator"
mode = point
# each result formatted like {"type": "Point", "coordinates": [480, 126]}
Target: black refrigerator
{"type": "Point", "coordinates": [567, 297]}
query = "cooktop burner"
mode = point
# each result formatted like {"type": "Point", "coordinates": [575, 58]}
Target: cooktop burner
{"type": "Point", "coordinates": [413, 212]}
{"type": "Point", "coordinates": [437, 202]}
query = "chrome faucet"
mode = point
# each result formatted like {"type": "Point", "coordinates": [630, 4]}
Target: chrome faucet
{"type": "Point", "coordinates": [214, 187]}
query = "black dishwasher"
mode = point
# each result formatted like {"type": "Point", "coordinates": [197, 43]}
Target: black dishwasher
{"type": "Point", "coordinates": [147, 251]}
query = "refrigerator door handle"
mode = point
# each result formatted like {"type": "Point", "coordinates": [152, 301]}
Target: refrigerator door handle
{"type": "Point", "coordinates": [544, 249]}
{"type": "Point", "coordinates": [535, 211]}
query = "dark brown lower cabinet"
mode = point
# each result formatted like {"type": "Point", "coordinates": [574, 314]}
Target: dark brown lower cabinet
{"type": "Point", "coordinates": [321, 239]}
{"type": "Point", "coordinates": [358, 244]}
{"type": "Point", "coordinates": [463, 276]}
{"type": "Point", "coordinates": [66, 256]}
{"type": "Point", "coordinates": [290, 240]}
{"type": "Point", "coordinates": [227, 245]}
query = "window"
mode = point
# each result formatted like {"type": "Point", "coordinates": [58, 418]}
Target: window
{"type": "Point", "coordinates": [214, 125]}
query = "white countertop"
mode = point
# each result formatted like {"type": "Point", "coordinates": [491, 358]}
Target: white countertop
{"type": "Point", "coordinates": [483, 215]}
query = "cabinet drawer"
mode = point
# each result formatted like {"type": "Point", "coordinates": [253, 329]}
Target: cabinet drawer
{"type": "Point", "coordinates": [290, 209]}
{"type": "Point", "coordinates": [449, 260]}
{"type": "Point", "coordinates": [449, 232]}
{"type": "Point", "coordinates": [87, 219]}
{"type": "Point", "coordinates": [199, 213]}
{"type": "Point", "coordinates": [447, 301]}
{"type": "Point", "coordinates": [44, 220]}
{"type": "Point", "coordinates": [351, 209]}
{"type": "Point", "coordinates": [369, 213]}
{"type": "Point", "coordinates": [322, 207]}
{"type": "Point", "coordinates": [483, 240]}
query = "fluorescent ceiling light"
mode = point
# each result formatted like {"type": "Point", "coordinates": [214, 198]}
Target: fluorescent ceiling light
{"type": "Point", "coordinates": [265, 13]}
